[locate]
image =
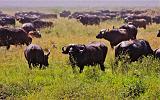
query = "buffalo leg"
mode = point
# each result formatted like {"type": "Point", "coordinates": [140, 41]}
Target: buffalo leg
{"type": "Point", "coordinates": [81, 69]}
{"type": "Point", "coordinates": [40, 66]}
{"type": "Point", "coordinates": [29, 63]}
{"type": "Point", "coordinates": [102, 67]}
{"type": "Point", "coordinates": [8, 46]}
{"type": "Point", "coordinates": [33, 65]}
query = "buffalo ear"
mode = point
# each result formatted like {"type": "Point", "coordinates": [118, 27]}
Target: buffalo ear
{"type": "Point", "coordinates": [113, 27]}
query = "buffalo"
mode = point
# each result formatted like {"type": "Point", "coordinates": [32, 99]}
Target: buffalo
{"type": "Point", "coordinates": [156, 19]}
{"type": "Point", "coordinates": [157, 53]}
{"type": "Point", "coordinates": [131, 18]}
{"type": "Point", "coordinates": [131, 30]}
{"type": "Point", "coordinates": [42, 24]}
{"type": "Point", "coordinates": [26, 19]}
{"type": "Point", "coordinates": [64, 13]}
{"type": "Point", "coordinates": [135, 49]}
{"type": "Point", "coordinates": [47, 16]}
{"type": "Point", "coordinates": [9, 36]}
{"type": "Point", "coordinates": [9, 20]}
{"type": "Point", "coordinates": [85, 55]}
{"type": "Point", "coordinates": [31, 30]}
{"type": "Point", "coordinates": [35, 55]}
{"type": "Point", "coordinates": [115, 36]}
{"type": "Point", "coordinates": [89, 19]}
{"type": "Point", "coordinates": [139, 23]}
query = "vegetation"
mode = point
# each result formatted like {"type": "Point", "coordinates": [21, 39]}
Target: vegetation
{"type": "Point", "coordinates": [138, 80]}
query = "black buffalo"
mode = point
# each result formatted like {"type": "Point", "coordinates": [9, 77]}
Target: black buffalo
{"type": "Point", "coordinates": [31, 30]}
{"type": "Point", "coordinates": [9, 20]}
{"type": "Point", "coordinates": [139, 23]}
{"type": "Point", "coordinates": [42, 24]}
{"type": "Point", "coordinates": [157, 53]}
{"type": "Point", "coordinates": [35, 55]}
{"type": "Point", "coordinates": [89, 19]}
{"type": "Point", "coordinates": [115, 36]}
{"type": "Point", "coordinates": [64, 13]}
{"type": "Point", "coordinates": [135, 49]}
{"type": "Point", "coordinates": [85, 55]}
{"type": "Point", "coordinates": [156, 19]}
{"type": "Point", "coordinates": [9, 36]}
{"type": "Point", "coordinates": [131, 30]}
{"type": "Point", "coordinates": [26, 19]}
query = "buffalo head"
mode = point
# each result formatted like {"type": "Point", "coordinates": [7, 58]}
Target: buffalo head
{"type": "Point", "coordinates": [73, 49]}
{"type": "Point", "coordinates": [101, 34]}
{"type": "Point", "coordinates": [28, 41]}
{"type": "Point", "coordinates": [80, 17]}
{"type": "Point", "coordinates": [35, 34]}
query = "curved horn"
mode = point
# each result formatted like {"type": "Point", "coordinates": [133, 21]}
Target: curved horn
{"type": "Point", "coordinates": [48, 52]}
{"type": "Point", "coordinates": [63, 48]}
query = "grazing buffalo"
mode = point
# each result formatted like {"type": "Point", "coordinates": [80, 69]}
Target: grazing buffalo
{"type": "Point", "coordinates": [133, 48]}
{"type": "Point", "coordinates": [85, 55]}
{"type": "Point", "coordinates": [64, 13]}
{"type": "Point", "coordinates": [148, 19]}
{"type": "Point", "coordinates": [9, 20]}
{"type": "Point", "coordinates": [26, 19]}
{"type": "Point", "coordinates": [35, 55]}
{"type": "Point", "coordinates": [89, 19]}
{"type": "Point", "coordinates": [31, 30]}
{"type": "Point", "coordinates": [47, 16]}
{"type": "Point", "coordinates": [131, 30]}
{"type": "Point", "coordinates": [115, 36]}
{"type": "Point", "coordinates": [42, 24]}
{"type": "Point", "coordinates": [141, 23]}
{"type": "Point", "coordinates": [156, 19]}
{"type": "Point", "coordinates": [9, 36]}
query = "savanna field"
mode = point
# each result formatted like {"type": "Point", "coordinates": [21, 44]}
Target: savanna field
{"type": "Point", "coordinates": [138, 80]}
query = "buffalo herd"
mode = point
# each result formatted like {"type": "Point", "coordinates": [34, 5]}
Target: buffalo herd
{"type": "Point", "coordinates": [122, 39]}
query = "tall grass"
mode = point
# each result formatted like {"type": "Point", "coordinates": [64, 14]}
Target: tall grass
{"type": "Point", "coordinates": [138, 80]}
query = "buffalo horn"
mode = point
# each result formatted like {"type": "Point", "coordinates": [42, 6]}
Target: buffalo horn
{"type": "Point", "coordinates": [48, 52]}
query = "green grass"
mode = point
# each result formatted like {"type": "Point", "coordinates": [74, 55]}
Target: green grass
{"type": "Point", "coordinates": [138, 80]}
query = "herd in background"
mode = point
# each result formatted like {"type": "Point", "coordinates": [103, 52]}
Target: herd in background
{"type": "Point", "coordinates": [122, 39]}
